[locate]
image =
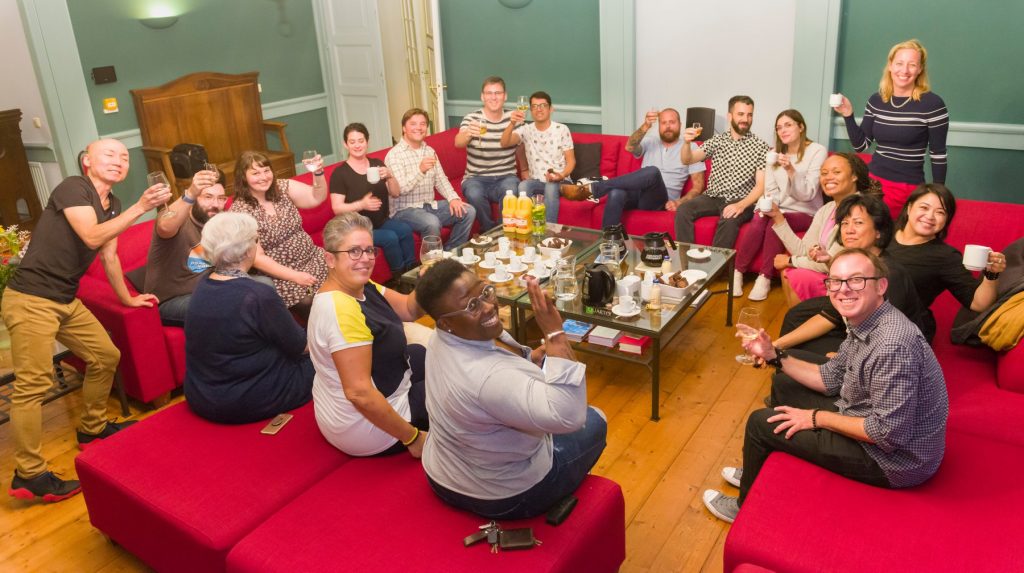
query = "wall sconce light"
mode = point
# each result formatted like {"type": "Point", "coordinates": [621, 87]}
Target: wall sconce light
{"type": "Point", "coordinates": [159, 23]}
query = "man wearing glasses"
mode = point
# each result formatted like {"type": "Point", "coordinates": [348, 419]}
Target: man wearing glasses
{"type": "Point", "coordinates": [490, 168]}
{"type": "Point", "coordinates": [550, 157]}
{"type": "Point", "coordinates": [875, 413]}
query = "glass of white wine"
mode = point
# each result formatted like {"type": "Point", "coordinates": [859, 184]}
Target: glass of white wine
{"type": "Point", "coordinates": [309, 160]}
{"type": "Point", "coordinates": [431, 250]}
{"type": "Point", "coordinates": [157, 178]}
{"type": "Point", "coordinates": [523, 106]}
{"type": "Point", "coordinates": [697, 127]}
{"type": "Point", "coordinates": [748, 325]}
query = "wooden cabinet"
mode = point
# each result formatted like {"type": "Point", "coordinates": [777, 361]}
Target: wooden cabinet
{"type": "Point", "coordinates": [19, 203]}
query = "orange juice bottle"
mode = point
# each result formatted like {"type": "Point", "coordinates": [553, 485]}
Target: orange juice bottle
{"type": "Point", "coordinates": [508, 212]}
{"type": "Point", "coordinates": [524, 212]}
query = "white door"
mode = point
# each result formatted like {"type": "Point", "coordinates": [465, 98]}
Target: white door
{"type": "Point", "coordinates": [423, 58]}
{"type": "Point", "coordinates": [435, 64]}
{"type": "Point", "coordinates": [354, 66]}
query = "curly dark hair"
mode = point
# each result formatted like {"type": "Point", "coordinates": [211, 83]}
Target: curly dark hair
{"type": "Point", "coordinates": [875, 208]}
{"type": "Point", "coordinates": [865, 184]}
{"type": "Point", "coordinates": [945, 197]}
{"type": "Point", "coordinates": [434, 284]}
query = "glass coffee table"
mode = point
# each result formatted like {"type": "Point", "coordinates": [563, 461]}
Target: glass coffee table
{"type": "Point", "coordinates": [661, 325]}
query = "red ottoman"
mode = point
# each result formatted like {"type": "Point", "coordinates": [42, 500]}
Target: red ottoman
{"type": "Point", "coordinates": [799, 517]}
{"type": "Point", "coordinates": [380, 515]}
{"type": "Point", "coordinates": [178, 491]}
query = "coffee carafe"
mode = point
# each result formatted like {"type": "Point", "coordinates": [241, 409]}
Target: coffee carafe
{"type": "Point", "coordinates": [656, 248]}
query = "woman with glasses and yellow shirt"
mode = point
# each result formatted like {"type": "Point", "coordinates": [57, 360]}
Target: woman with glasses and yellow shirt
{"type": "Point", "coordinates": [368, 390]}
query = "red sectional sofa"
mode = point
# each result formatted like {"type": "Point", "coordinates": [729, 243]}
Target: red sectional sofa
{"type": "Point", "coordinates": [227, 498]}
{"type": "Point", "coordinates": [800, 517]}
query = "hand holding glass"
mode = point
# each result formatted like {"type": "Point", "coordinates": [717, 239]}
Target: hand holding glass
{"type": "Point", "coordinates": [309, 160]}
{"type": "Point", "coordinates": [748, 326]}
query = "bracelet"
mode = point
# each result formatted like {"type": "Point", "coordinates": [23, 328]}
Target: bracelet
{"type": "Point", "coordinates": [415, 435]}
{"type": "Point", "coordinates": [814, 419]}
{"type": "Point", "coordinates": [188, 199]}
{"type": "Point", "coordinates": [553, 334]}
{"type": "Point", "coordinates": [990, 275]}
{"type": "Point", "coordinates": [777, 361]}
{"type": "Point", "coordinates": [318, 173]}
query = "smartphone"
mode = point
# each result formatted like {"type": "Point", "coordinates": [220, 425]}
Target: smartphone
{"type": "Point", "coordinates": [275, 425]}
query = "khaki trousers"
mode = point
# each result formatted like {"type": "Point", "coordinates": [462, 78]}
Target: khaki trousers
{"type": "Point", "coordinates": [34, 323]}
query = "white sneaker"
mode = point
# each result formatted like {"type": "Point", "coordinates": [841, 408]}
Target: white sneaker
{"type": "Point", "coordinates": [762, 286]}
{"type": "Point", "coordinates": [732, 475]}
{"type": "Point", "coordinates": [737, 283]}
{"type": "Point", "coordinates": [724, 507]}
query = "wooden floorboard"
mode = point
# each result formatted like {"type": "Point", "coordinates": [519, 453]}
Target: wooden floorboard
{"type": "Point", "coordinates": [663, 467]}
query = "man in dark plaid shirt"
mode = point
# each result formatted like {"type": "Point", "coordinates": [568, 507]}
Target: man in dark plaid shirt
{"type": "Point", "coordinates": [888, 426]}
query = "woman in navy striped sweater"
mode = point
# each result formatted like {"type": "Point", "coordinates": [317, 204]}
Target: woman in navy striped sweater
{"type": "Point", "coordinates": [905, 120]}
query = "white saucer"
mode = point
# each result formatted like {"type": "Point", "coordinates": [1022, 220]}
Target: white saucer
{"type": "Point", "coordinates": [529, 260]}
{"type": "Point", "coordinates": [486, 265]}
{"type": "Point", "coordinates": [693, 275]}
{"type": "Point", "coordinates": [483, 241]}
{"type": "Point", "coordinates": [539, 274]}
{"type": "Point", "coordinates": [473, 261]}
{"type": "Point", "coordinates": [518, 269]}
{"type": "Point", "coordinates": [699, 254]}
{"type": "Point", "coordinates": [504, 256]}
{"type": "Point", "coordinates": [494, 278]}
{"type": "Point", "coordinates": [617, 309]}
{"type": "Point", "coordinates": [447, 255]}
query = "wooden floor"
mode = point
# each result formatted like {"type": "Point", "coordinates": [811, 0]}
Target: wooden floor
{"type": "Point", "coordinates": [663, 466]}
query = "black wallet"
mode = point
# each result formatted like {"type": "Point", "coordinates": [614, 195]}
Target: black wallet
{"type": "Point", "coordinates": [517, 538]}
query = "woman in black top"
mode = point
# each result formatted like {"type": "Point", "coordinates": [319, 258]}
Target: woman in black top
{"type": "Point", "coordinates": [352, 191]}
{"type": "Point", "coordinates": [933, 265]}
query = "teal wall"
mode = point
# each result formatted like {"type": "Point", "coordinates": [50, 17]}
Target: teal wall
{"type": "Point", "coordinates": [974, 55]}
{"type": "Point", "coordinates": [229, 36]}
{"type": "Point", "coordinates": [549, 45]}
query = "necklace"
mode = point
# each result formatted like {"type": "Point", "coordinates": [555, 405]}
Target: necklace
{"type": "Point", "coordinates": [233, 273]}
{"type": "Point", "coordinates": [892, 102]}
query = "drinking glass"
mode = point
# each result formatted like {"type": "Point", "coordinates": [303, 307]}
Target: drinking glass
{"type": "Point", "coordinates": [308, 158]}
{"type": "Point", "coordinates": [610, 258]}
{"type": "Point", "coordinates": [482, 127]}
{"type": "Point", "coordinates": [157, 178]}
{"type": "Point", "coordinates": [653, 110]}
{"type": "Point", "coordinates": [431, 250]}
{"type": "Point", "coordinates": [565, 279]}
{"type": "Point", "coordinates": [212, 167]}
{"type": "Point", "coordinates": [748, 325]}
{"type": "Point", "coordinates": [697, 127]}
{"type": "Point", "coordinates": [523, 106]}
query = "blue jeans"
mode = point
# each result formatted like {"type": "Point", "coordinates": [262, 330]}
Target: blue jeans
{"type": "Point", "coordinates": [551, 192]}
{"type": "Point", "coordinates": [574, 455]}
{"type": "Point", "coordinates": [642, 189]}
{"type": "Point", "coordinates": [395, 238]}
{"type": "Point", "coordinates": [173, 310]}
{"type": "Point", "coordinates": [483, 190]}
{"type": "Point", "coordinates": [427, 220]}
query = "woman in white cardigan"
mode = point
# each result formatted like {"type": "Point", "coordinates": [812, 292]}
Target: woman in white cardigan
{"type": "Point", "coordinates": [791, 183]}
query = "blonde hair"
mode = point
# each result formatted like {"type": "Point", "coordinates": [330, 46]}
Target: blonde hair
{"type": "Point", "coordinates": [921, 85]}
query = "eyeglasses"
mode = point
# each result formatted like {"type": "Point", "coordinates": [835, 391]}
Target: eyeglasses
{"type": "Point", "coordinates": [476, 304]}
{"type": "Point", "coordinates": [493, 94]}
{"type": "Point", "coordinates": [855, 283]}
{"type": "Point", "coordinates": [540, 105]}
{"type": "Point", "coordinates": [355, 253]}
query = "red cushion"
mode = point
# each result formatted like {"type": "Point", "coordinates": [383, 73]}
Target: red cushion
{"type": "Point", "coordinates": [800, 517]}
{"type": "Point", "coordinates": [380, 515]}
{"type": "Point", "coordinates": [1010, 372]}
{"type": "Point", "coordinates": [178, 491]}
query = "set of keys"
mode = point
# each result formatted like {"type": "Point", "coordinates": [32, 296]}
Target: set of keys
{"type": "Point", "coordinates": [505, 539]}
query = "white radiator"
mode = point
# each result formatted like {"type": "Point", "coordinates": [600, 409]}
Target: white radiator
{"type": "Point", "coordinates": [39, 180]}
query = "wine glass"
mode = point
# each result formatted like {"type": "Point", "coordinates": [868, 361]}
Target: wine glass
{"type": "Point", "coordinates": [748, 325]}
{"type": "Point", "coordinates": [483, 132]}
{"type": "Point", "coordinates": [309, 160]}
{"type": "Point", "coordinates": [653, 110]}
{"type": "Point", "coordinates": [523, 106]}
{"type": "Point", "coordinates": [431, 250]}
{"type": "Point", "coordinates": [157, 178]}
{"type": "Point", "coordinates": [697, 127]}
{"type": "Point", "coordinates": [212, 167]}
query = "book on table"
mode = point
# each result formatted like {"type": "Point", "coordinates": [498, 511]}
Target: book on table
{"type": "Point", "coordinates": [604, 336]}
{"type": "Point", "coordinates": [576, 330]}
{"type": "Point", "coordinates": [634, 344]}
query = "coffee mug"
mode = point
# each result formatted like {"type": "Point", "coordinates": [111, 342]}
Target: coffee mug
{"type": "Point", "coordinates": [835, 100]}
{"type": "Point", "coordinates": [467, 254]}
{"type": "Point", "coordinates": [373, 175]}
{"type": "Point", "coordinates": [529, 253]}
{"type": "Point", "coordinates": [490, 257]}
{"type": "Point", "coordinates": [515, 262]}
{"type": "Point", "coordinates": [501, 273]}
{"type": "Point", "coordinates": [771, 158]}
{"type": "Point", "coordinates": [627, 303]}
{"type": "Point", "coordinates": [976, 257]}
{"type": "Point", "coordinates": [764, 204]}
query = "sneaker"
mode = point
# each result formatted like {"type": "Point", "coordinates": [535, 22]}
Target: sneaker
{"type": "Point", "coordinates": [737, 283]}
{"type": "Point", "coordinates": [112, 428]}
{"type": "Point", "coordinates": [732, 475]}
{"type": "Point", "coordinates": [761, 288]}
{"type": "Point", "coordinates": [46, 485]}
{"type": "Point", "coordinates": [724, 507]}
{"type": "Point", "coordinates": [576, 192]}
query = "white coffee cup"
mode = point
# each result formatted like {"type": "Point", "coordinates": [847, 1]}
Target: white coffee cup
{"type": "Point", "coordinates": [627, 303]}
{"type": "Point", "coordinates": [373, 175]}
{"type": "Point", "coordinates": [515, 262]}
{"type": "Point", "coordinates": [467, 254]}
{"type": "Point", "coordinates": [976, 257]}
{"type": "Point", "coordinates": [835, 100]}
{"type": "Point", "coordinates": [501, 273]}
{"type": "Point", "coordinates": [529, 253]}
{"type": "Point", "coordinates": [490, 257]}
{"type": "Point", "coordinates": [627, 285]}
{"type": "Point", "coordinates": [764, 204]}
{"type": "Point", "coordinates": [771, 158]}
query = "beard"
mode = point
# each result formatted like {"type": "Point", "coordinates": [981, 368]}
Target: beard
{"type": "Point", "coordinates": [669, 136]}
{"type": "Point", "coordinates": [736, 128]}
{"type": "Point", "coordinates": [200, 214]}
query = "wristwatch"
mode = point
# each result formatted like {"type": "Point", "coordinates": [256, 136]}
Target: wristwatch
{"type": "Point", "coordinates": [777, 361]}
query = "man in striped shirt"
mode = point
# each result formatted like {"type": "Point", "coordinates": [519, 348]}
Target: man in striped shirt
{"type": "Point", "coordinates": [490, 168]}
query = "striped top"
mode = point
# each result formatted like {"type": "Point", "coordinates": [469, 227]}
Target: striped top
{"type": "Point", "coordinates": [485, 155]}
{"type": "Point", "coordinates": [903, 133]}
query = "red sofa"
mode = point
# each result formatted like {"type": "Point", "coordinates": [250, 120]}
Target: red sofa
{"type": "Point", "coordinates": [226, 497]}
{"type": "Point", "coordinates": [800, 517]}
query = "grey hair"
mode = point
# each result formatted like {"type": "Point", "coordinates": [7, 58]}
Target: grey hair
{"type": "Point", "coordinates": [338, 228]}
{"type": "Point", "coordinates": [227, 238]}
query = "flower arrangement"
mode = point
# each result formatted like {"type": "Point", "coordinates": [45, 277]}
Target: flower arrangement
{"type": "Point", "coordinates": [13, 243]}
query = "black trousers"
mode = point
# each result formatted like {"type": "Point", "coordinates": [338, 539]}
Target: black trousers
{"type": "Point", "coordinates": [834, 452]}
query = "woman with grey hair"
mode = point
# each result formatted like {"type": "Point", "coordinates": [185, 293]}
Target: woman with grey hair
{"type": "Point", "coordinates": [368, 391]}
{"type": "Point", "coordinates": [246, 357]}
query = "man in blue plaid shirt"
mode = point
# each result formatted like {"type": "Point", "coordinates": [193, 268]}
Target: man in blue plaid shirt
{"type": "Point", "coordinates": [888, 426]}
